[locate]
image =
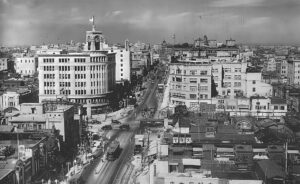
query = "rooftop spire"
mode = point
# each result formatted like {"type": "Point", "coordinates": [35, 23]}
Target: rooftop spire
{"type": "Point", "coordinates": [92, 20]}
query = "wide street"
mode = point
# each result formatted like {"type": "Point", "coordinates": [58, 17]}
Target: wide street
{"type": "Point", "coordinates": [115, 172]}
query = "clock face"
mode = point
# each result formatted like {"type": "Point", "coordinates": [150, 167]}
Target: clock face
{"type": "Point", "coordinates": [97, 39]}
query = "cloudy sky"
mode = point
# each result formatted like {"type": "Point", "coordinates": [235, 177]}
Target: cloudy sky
{"type": "Point", "coordinates": [57, 21]}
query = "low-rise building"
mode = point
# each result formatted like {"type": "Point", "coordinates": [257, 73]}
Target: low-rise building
{"type": "Point", "coordinates": [26, 66]}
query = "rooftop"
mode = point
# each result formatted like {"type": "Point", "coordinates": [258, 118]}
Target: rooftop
{"type": "Point", "coordinates": [270, 169]}
{"type": "Point", "coordinates": [275, 100]}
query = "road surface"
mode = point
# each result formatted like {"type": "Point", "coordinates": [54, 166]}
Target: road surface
{"type": "Point", "coordinates": [112, 172]}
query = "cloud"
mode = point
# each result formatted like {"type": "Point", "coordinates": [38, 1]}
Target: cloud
{"type": "Point", "coordinates": [235, 3]}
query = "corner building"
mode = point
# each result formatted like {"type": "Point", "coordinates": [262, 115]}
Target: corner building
{"type": "Point", "coordinates": [86, 78]}
{"type": "Point", "coordinates": [190, 82]}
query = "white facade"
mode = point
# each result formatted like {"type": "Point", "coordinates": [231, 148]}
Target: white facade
{"type": "Point", "coordinates": [122, 63]}
{"type": "Point", "coordinates": [229, 76]}
{"type": "Point", "coordinates": [84, 78]}
{"type": "Point", "coordinates": [3, 64]}
{"type": "Point", "coordinates": [190, 82]}
{"type": "Point", "coordinates": [294, 71]}
{"type": "Point", "coordinates": [26, 65]}
{"type": "Point", "coordinates": [256, 87]}
{"type": "Point", "coordinates": [10, 99]}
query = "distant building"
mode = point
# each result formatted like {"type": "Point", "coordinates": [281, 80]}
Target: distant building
{"type": "Point", "coordinates": [230, 42]}
{"type": "Point", "coordinates": [3, 64]}
{"type": "Point", "coordinates": [294, 71]}
{"type": "Point", "coordinates": [26, 66]}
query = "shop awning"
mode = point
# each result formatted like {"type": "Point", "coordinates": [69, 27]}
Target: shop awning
{"type": "Point", "coordinates": [189, 161]}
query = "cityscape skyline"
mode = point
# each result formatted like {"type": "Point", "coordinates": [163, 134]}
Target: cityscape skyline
{"type": "Point", "coordinates": [248, 21]}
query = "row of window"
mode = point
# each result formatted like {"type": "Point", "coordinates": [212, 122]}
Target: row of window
{"type": "Point", "coordinates": [65, 92]}
{"type": "Point", "coordinates": [96, 75]}
{"type": "Point", "coordinates": [49, 92]}
{"type": "Point", "coordinates": [192, 88]}
{"type": "Point", "coordinates": [25, 61]}
{"type": "Point", "coordinates": [192, 96]}
{"type": "Point", "coordinates": [95, 83]}
{"type": "Point", "coordinates": [49, 76]}
{"type": "Point", "coordinates": [64, 84]}
{"type": "Point", "coordinates": [79, 60]}
{"type": "Point", "coordinates": [80, 68]}
{"type": "Point", "coordinates": [236, 84]}
{"type": "Point", "coordinates": [93, 68]}
{"type": "Point", "coordinates": [192, 72]}
{"type": "Point", "coordinates": [48, 68]}
{"type": "Point", "coordinates": [64, 68]}
{"type": "Point", "coordinates": [63, 60]}
{"type": "Point", "coordinates": [48, 60]}
{"type": "Point", "coordinates": [236, 77]}
{"type": "Point", "coordinates": [98, 59]}
{"type": "Point", "coordinates": [80, 92]}
{"type": "Point", "coordinates": [192, 80]}
{"type": "Point", "coordinates": [80, 76]}
{"type": "Point", "coordinates": [49, 84]}
{"type": "Point", "coordinates": [80, 84]}
{"type": "Point", "coordinates": [64, 76]}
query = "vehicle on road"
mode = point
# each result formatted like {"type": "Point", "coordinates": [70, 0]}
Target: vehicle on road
{"type": "Point", "coordinates": [113, 151]}
{"type": "Point", "coordinates": [115, 121]}
{"type": "Point", "coordinates": [125, 127]}
{"type": "Point", "coordinates": [107, 127]}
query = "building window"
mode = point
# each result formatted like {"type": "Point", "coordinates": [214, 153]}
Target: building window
{"type": "Point", "coordinates": [254, 82]}
{"type": "Point", "coordinates": [281, 107]}
{"type": "Point", "coordinates": [193, 80]}
{"type": "Point", "coordinates": [253, 89]}
{"type": "Point", "coordinates": [193, 96]}
{"type": "Point", "coordinates": [193, 88]}
{"type": "Point", "coordinates": [237, 70]}
{"type": "Point", "coordinates": [237, 84]}
{"type": "Point", "coordinates": [203, 80]}
{"type": "Point", "coordinates": [204, 72]}
{"type": "Point", "coordinates": [203, 88]}
{"type": "Point", "coordinates": [275, 107]}
{"type": "Point", "coordinates": [193, 72]}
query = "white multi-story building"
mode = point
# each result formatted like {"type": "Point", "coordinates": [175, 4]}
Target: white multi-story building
{"type": "Point", "coordinates": [3, 64]}
{"type": "Point", "coordinates": [229, 76]}
{"type": "Point", "coordinates": [122, 62]}
{"type": "Point", "coordinates": [86, 78]}
{"type": "Point", "coordinates": [26, 66]}
{"type": "Point", "coordinates": [190, 82]}
{"type": "Point", "coordinates": [256, 87]}
{"type": "Point", "coordinates": [294, 71]}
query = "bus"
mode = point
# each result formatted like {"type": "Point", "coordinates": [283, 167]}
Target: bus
{"type": "Point", "coordinates": [113, 151]}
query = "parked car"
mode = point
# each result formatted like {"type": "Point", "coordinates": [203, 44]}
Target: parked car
{"type": "Point", "coordinates": [125, 127]}
{"type": "Point", "coordinates": [116, 122]}
{"type": "Point", "coordinates": [106, 127]}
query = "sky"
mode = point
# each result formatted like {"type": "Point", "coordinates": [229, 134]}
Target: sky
{"type": "Point", "coordinates": [27, 22]}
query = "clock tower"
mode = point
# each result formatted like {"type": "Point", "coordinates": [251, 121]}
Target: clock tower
{"type": "Point", "coordinates": [94, 39]}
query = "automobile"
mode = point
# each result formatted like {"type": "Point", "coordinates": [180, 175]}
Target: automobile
{"type": "Point", "coordinates": [106, 127]}
{"type": "Point", "coordinates": [115, 121]}
{"type": "Point", "coordinates": [125, 127]}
